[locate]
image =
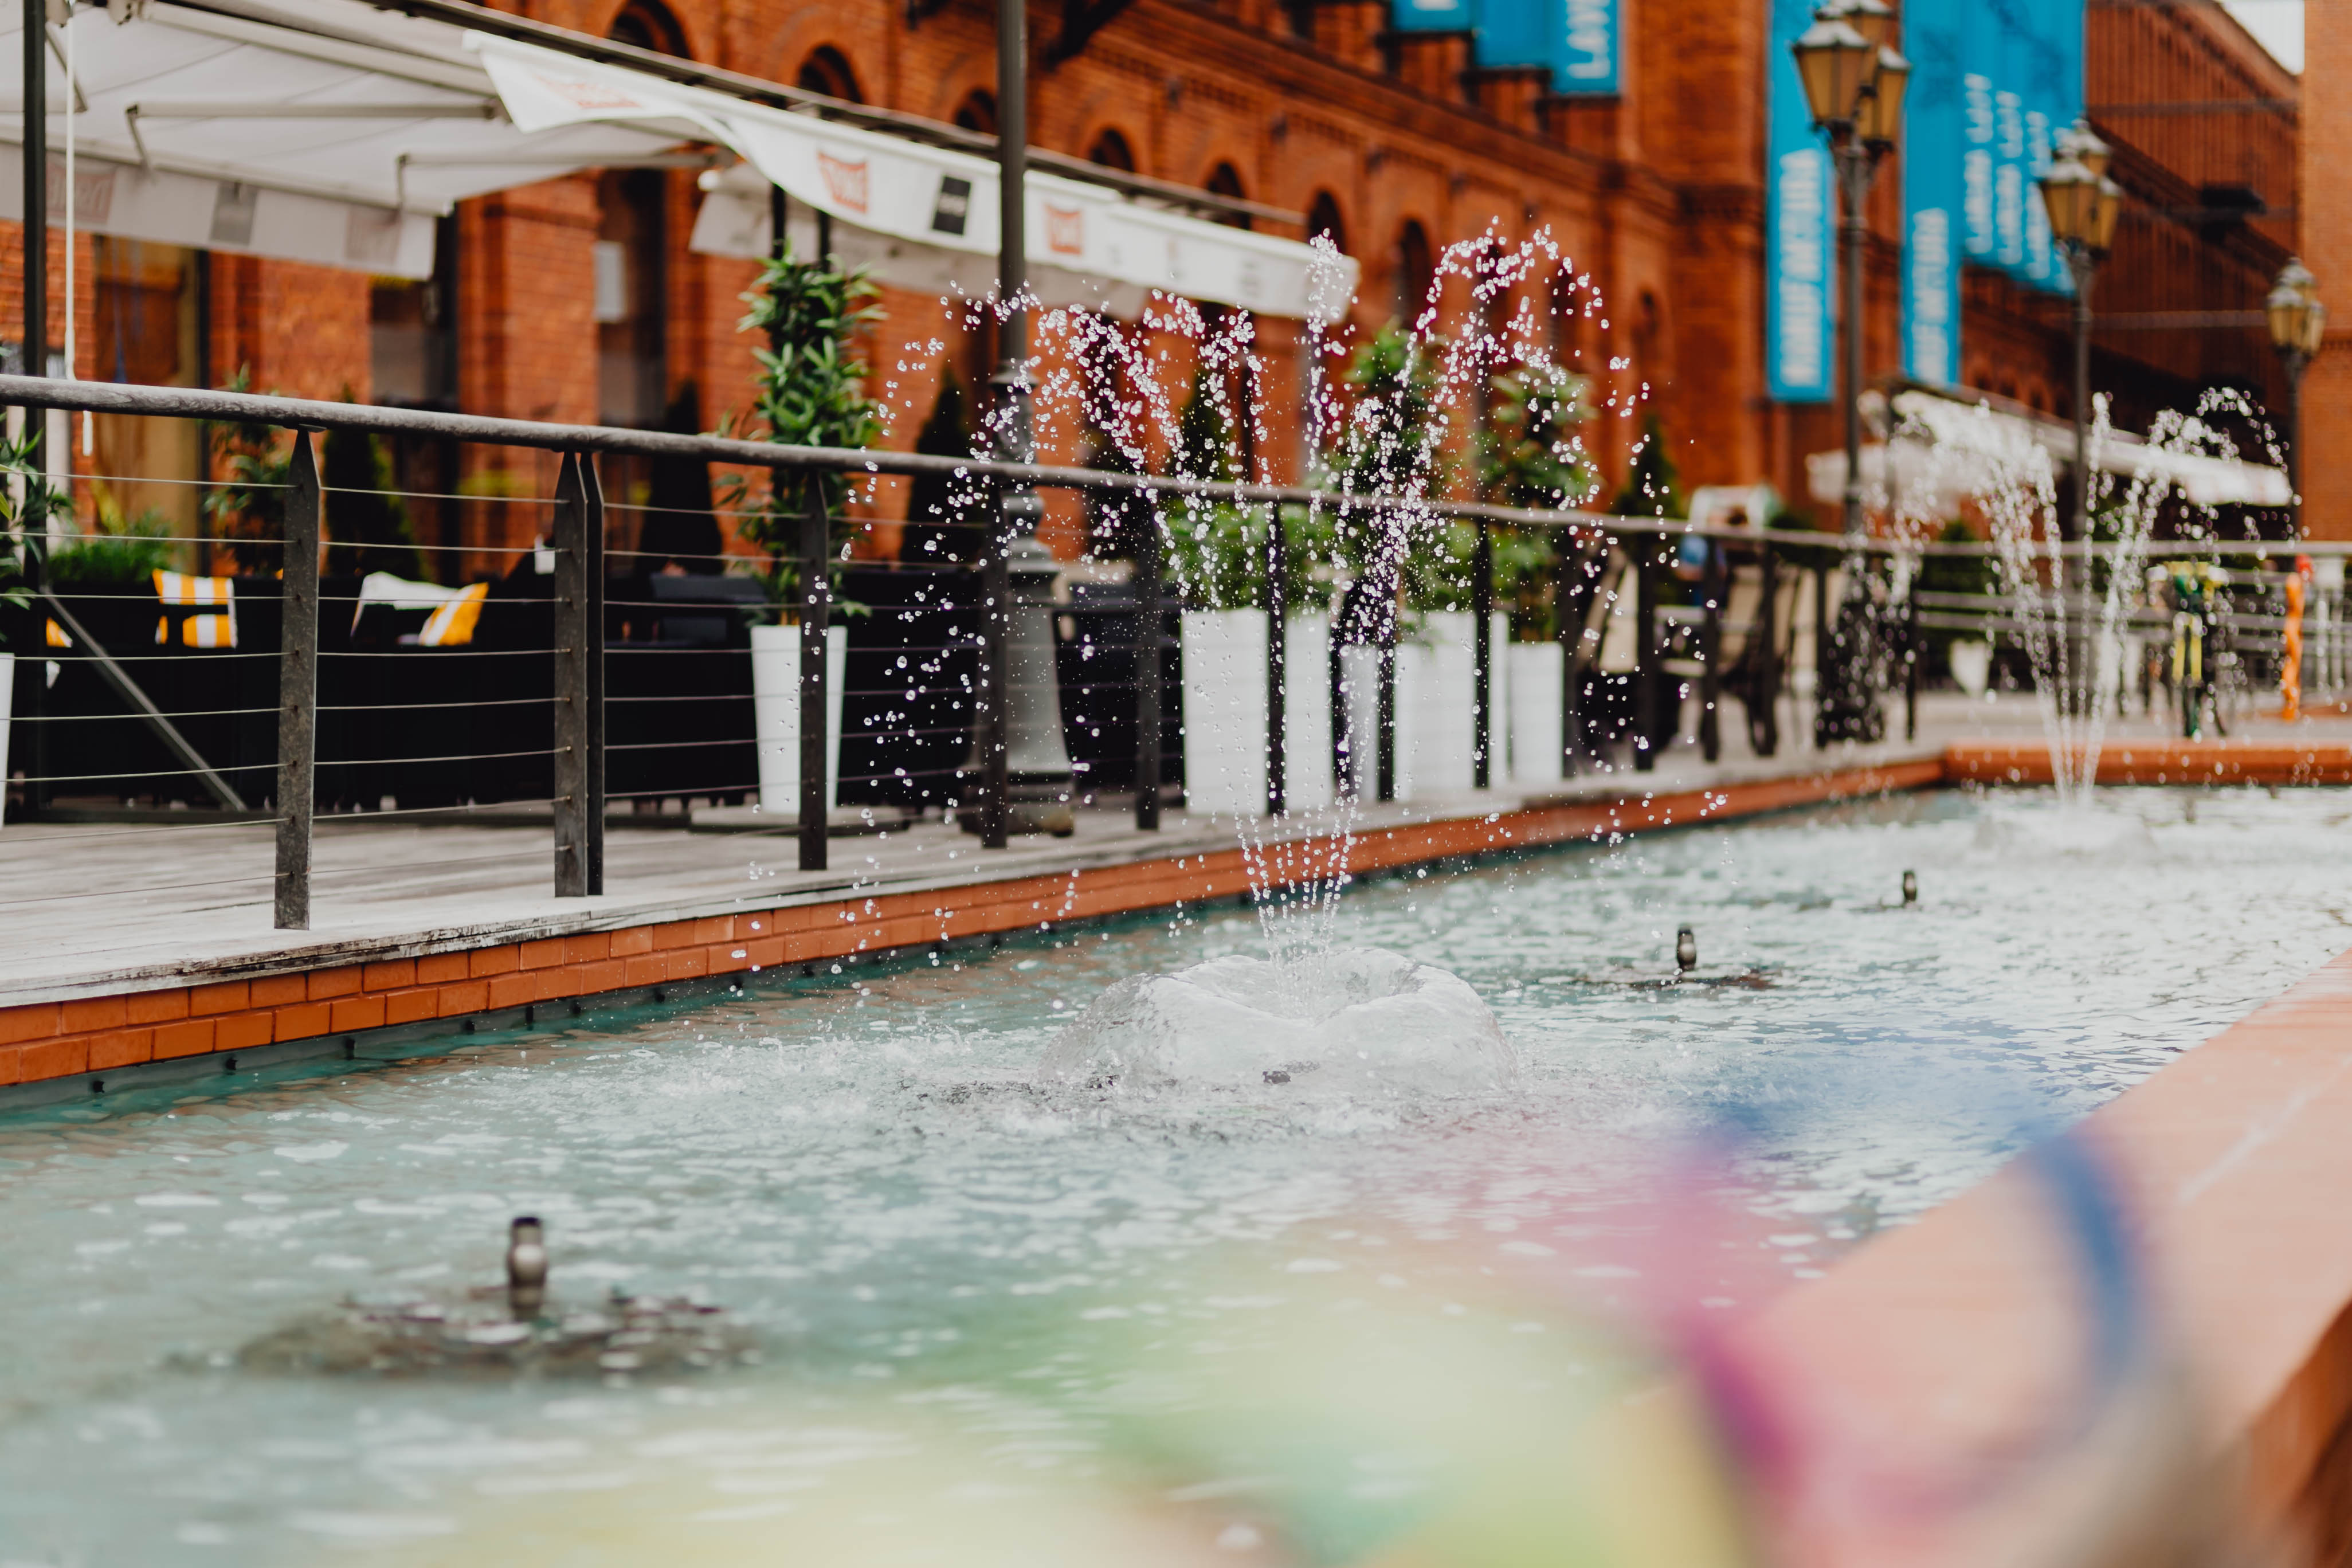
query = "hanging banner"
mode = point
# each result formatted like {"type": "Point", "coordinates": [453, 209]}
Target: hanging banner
{"type": "Point", "coordinates": [1578, 41]}
{"type": "Point", "coordinates": [1585, 63]}
{"type": "Point", "coordinates": [1431, 15]}
{"type": "Point", "coordinates": [1935, 189]}
{"type": "Point", "coordinates": [1801, 229]}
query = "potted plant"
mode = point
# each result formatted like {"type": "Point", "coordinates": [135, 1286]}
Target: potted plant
{"type": "Point", "coordinates": [811, 392]}
{"type": "Point", "coordinates": [26, 505]}
{"type": "Point", "coordinates": [1215, 553]}
{"type": "Point", "coordinates": [1532, 456]}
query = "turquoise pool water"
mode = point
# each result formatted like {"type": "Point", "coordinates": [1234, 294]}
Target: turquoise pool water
{"type": "Point", "coordinates": [933, 1248]}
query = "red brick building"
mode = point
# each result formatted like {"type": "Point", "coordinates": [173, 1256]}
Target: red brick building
{"type": "Point", "coordinates": [1312, 107]}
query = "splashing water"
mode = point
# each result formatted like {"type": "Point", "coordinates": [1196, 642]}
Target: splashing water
{"type": "Point", "coordinates": [2075, 603]}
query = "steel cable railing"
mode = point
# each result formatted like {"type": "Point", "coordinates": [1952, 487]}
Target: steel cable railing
{"type": "Point", "coordinates": [597, 681]}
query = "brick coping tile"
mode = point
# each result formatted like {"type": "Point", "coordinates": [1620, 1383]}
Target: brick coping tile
{"type": "Point", "coordinates": [300, 998]}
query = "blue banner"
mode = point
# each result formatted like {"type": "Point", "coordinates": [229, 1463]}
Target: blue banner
{"type": "Point", "coordinates": [1513, 33]}
{"type": "Point", "coordinates": [1934, 188]}
{"type": "Point", "coordinates": [2021, 85]}
{"type": "Point", "coordinates": [1431, 15]}
{"type": "Point", "coordinates": [1586, 64]}
{"type": "Point", "coordinates": [1800, 226]}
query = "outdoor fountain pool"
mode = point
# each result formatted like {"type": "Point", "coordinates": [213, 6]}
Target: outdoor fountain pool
{"type": "Point", "coordinates": [934, 1248]}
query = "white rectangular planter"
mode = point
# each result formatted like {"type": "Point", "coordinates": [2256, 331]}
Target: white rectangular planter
{"type": "Point", "coordinates": [7, 698]}
{"type": "Point", "coordinates": [1226, 719]}
{"type": "Point", "coordinates": [1436, 705]}
{"type": "Point", "coordinates": [1308, 784]}
{"type": "Point", "coordinates": [776, 714]}
{"type": "Point", "coordinates": [1225, 711]}
{"type": "Point", "coordinates": [1536, 706]}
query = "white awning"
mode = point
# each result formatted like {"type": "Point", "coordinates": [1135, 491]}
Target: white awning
{"type": "Point", "coordinates": [320, 131]}
{"type": "Point", "coordinates": [1946, 450]}
{"type": "Point", "coordinates": [922, 217]}
{"type": "Point", "coordinates": [330, 131]}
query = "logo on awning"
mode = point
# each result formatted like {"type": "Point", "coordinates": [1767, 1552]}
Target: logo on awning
{"type": "Point", "coordinates": [593, 95]}
{"type": "Point", "coordinates": [954, 206]}
{"type": "Point", "coordinates": [1066, 230]}
{"type": "Point", "coordinates": [846, 182]}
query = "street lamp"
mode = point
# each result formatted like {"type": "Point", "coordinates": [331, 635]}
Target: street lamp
{"type": "Point", "coordinates": [2298, 324]}
{"type": "Point", "coordinates": [2083, 204]}
{"type": "Point", "coordinates": [1853, 86]}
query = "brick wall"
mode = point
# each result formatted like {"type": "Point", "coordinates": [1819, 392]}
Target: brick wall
{"type": "Point", "coordinates": [2326, 223]}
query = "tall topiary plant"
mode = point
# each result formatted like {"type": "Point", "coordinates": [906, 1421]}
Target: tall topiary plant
{"type": "Point", "coordinates": [812, 391]}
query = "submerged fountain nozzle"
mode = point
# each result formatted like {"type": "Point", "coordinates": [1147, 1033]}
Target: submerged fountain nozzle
{"type": "Point", "coordinates": [526, 1268]}
{"type": "Point", "coordinates": [1910, 887]}
{"type": "Point", "coordinates": [1685, 951]}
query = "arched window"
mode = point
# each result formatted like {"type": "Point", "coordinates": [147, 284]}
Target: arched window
{"type": "Point", "coordinates": [648, 25]}
{"type": "Point", "coordinates": [826, 70]}
{"type": "Point", "coordinates": [1415, 270]}
{"type": "Point", "coordinates": [1226, 180]}
{"type": "Point", "coordinates": [977, 112]}
{"type": "Point", "coordinates": [1324, 222]}
{"type": "Point", "coordinates": [1111, 152]}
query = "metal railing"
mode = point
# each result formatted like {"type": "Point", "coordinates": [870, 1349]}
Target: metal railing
{"type": "Point", "coordinates": [940, 690]}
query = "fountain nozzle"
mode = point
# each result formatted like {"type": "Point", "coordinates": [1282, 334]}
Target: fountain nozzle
{"type": "Point", "coordinates": [526, 1268]}
{"type": "Point", "coordinates": [1910, 887]}
{"type": "Point", "coordinates": [1685, 951]}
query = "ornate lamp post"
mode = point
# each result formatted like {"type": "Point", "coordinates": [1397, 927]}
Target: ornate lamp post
{"type": "Point", "coordinates": [1854, 86]}
{"type": "Point", "coordinates": [2083, 206]}
{"type": "Point", "coordinates": [2298, 324]}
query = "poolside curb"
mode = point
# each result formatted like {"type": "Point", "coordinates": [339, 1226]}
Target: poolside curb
{"type": "Point", "coordinates": [432, 985]}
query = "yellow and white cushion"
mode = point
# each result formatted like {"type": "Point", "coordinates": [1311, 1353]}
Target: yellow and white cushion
{"type": "Point", "coordinates": [179, 591]}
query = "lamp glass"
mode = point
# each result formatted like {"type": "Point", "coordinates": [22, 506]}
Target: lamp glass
{"type": "Point", "coordinates": [1880, 120]}
{"type": "Point", "coordinates": [1833, 62]}
{"type": "Point", "coordinates": [2107, 209]}
{"type": "Point", "coordinates": [2315, 328]}
{"type": "Point", "coordinates": [1874, 20]}
{"type": "Point", "coordinates": [2287, 308]}
{"type": "Point", "coordinates": [2089, 151]}
{"type": "Point", "coordinates": [2068, 191]}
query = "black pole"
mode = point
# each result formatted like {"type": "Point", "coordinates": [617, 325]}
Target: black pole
{"type": "Point", "coordinates": [35, 354]}
{"type": "Point", "coordinates": [1482, 683]}
{"type": "Point", "coordinates": [570, 589]}
{"type": "Point", "coordinates": [1018, 508]}
{"type": "Point", "coordinates": [996, 609]}
{"type": "Point", "coordinates": [1645, 652]}
{"type": "Point", "coordinates": [592, 630]}
{"type": "Point", "coordinates": [1149, 697]}
{"type": "Point", "coordinates": [1277, 605]}
{"type": "Point", "coordinates": [816, 615]}
{"type": "Point", "coordinates": [1715, 589]}
{"type": "Point", "coordinates": [297, 690]}
{"type": "Point", "coordinates": [36, 204]}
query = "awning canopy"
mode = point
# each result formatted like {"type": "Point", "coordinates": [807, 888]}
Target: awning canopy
{"type": "Point", "coordinates": [332, 131]}
{"type": "Point", "coordinates": [1945, 450]}
{"type": "Point", "coordinates": [319, 131]}
{"type": "Point", "coordinates": [923, 216]}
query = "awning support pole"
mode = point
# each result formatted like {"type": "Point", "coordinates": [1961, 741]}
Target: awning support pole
{"type": "Point", "coordinates": [35, 352]}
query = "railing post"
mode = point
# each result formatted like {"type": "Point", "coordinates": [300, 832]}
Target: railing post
{"type": "Point", "coordinates": [996, 628]}
{"type": "Point", "coordinates": [816, 616]}
{"type": "Point", "coordinates": [1277, 663]}
{"type": "Point", "coordinates": [1482, 682]}
{"type": "Point", "coordinates": [1716, 590]}
{"type": "Point", "coordinates": [1147, 696]}
{"type": "Point", "coordinates": [1911, 660]}
{"type": "Point", "coordinates": [579, 624]}
{"type": "Point", "coordinates": [1646, 672]}
{"type": "Point", "coordinates": [297, 688]}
